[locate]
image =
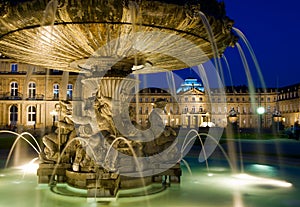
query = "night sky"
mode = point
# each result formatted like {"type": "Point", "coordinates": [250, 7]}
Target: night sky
{"type": "Point", "coordinates": [273, 29]}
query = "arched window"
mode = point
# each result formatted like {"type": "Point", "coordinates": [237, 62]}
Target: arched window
{"type": "Point", "coordinates": [14, 89]}
{"type": "Point", "coordinates": [69, 91]}
{"type": "Point", "coordinates": [185, 109]}
{"type": "Point", "coordinates": [55, 91]}
{"type": "Point", "coordinates": [31, 90]}
{"type": "Point", "coordinates": [31, 115]}
{"type": "Point", "coordinates": [13, 115]}
{"type": "Point", "coordinates": [193, 109]}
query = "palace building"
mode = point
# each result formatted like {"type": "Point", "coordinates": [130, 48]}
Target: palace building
{"type": "Point", "coordinates": [28, 95]}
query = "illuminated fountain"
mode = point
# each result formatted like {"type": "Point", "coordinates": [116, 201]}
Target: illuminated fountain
{"type": "Point", "coordinates": [98, 148]}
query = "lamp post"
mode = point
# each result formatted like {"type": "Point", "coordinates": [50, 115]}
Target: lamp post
{"type": "Point", "coordinates": [277, 119]}
{"type": "Point", "coordinates": [207, 115]}
{"type": "Point", "coordinates": [232, 121]}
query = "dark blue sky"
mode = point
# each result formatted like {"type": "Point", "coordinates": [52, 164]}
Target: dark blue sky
{"type": "Point", "coordinates": [273, 29]}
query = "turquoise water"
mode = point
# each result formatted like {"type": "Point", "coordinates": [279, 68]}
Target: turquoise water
{"type": "Point", "coordinates": [267, 180]}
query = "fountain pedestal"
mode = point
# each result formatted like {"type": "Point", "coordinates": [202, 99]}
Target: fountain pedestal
{"type": "Point", "coordinates": [49, 172]}
{"type": "Point", "coordinates": [99, 184]}
{"type": "Point", "coordinates": [101, 147]}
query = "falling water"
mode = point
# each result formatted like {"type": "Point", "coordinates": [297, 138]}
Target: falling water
{"type": "Point", "coordinates": [250, 83]}
{"type": "Point", "coordinates": [186, 144]}
{"type": "Point", "coordinates": [134, 14]}
{"type": "Point", "coordinates": [64, 85]}
{"type": "Point", "coordinates": [136, 162]}
{"type": "Point", "coordinates": [137, 98]}
{"type": "Point", "coordinates": [171, 84]}
{"type": "Point", "coordinates": [51, 181]}
{"type": "Point", "coordinates": [247, 70]}
{"type": "Point", "coordinates": [187, 166]}
{"type": "Point", "coordinates": [247, 43]}
{"type": "Point", "coordinates": [131, 150]}
{"type": "Point", "coordinates": [221, 148]}
{"type": "Point", "coordinates": [213, 44]}
{"type": "Point", "coordinates": [20, 136]}
{"type": "Point", "coordinates": [50, 13]}
{"type": "Point", "coordinates": [26, 81]}
{"type": "Point", "coordinates": [229, 71]}
{"type": "Point", "coordinates": [231, 83]}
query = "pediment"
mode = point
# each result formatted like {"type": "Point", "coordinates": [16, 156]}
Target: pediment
{"type": "Point", "coordinates": [193, 91]}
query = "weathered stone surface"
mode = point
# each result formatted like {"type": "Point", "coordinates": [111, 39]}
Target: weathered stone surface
{"type": "Point", "coordinates": [111, 17]}
{"type": "Point", "coordinates": [80, 175]}
{"type": "Point", "coordinates": [46, 172]}
{"type": "Point", "coordinates": [134, 182]}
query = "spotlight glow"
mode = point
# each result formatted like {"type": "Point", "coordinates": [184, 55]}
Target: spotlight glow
{"type": "Point", "coordinates": [30, 167]}
{"type": "Point", "coordinates": [245, 179]}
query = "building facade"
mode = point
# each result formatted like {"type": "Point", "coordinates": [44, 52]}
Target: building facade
{"type": "Point", "coordinates": [29, 94]}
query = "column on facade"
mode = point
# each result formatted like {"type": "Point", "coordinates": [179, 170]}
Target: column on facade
{"type": "Point", "coordinates": [42, 115]}
{"type": "Point", "coordinates": [3, 114]}
{"type": "Point", "coordinates": [38, 114]}
{"type": "Point", "coordinates": [1, 117]}
{"type": "Point", "coordinates": [24, 114]}
{"type": "Point", "coordinates": [19, 114]}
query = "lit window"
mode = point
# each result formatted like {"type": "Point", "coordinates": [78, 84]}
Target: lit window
{"type": "Point", "coordinates": [193, 109]}
{"type": "Point", "coordinates": [69, 91]}
{"type": "Point", "coordinates": [14, 67]}
{"type": "Point", "coordinates": [186, 109]}
{"type": "Point", "coordinates": [13, 115]}
{"type": "Point", "coordinates": [13, 89]}
{"type": "Point", "coordinates": [31, 115]}
{"type": "Point", "coordinates": [56, 91]}
{"type": "Point", "coordinates": [31, 90]}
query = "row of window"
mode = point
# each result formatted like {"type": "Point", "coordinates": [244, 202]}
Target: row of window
{"type": "Point", "coordinates": [31, 115]}
{"type": "Point", "coordinates": [214, 100]}
{"type": "Point", "coordinates": [239, 109]}
{"type": "Point", "coordinates": [14, 69]}
{"type": "Point", "coordinates": [288, 95]}
{"type": "Point", "coordinates": [14, 90]}
{"type": "Point", "coordinates": [243, 99]}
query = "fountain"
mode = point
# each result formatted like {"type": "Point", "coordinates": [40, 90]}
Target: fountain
{"type": "Point", "coordinates": [98, 150]}
{"type": "Point", "coordinates": [106, 42]}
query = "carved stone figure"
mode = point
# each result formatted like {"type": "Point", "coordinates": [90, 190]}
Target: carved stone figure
{"type": "Point", "coordinates": [65, 132]}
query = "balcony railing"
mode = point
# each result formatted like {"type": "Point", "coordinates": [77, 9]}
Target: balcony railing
{"type": "Point", "coordinates": [19, 96]}
{"type": "Point", "coordinates": [9, 96]}
{"type": "Point", "coordinates": [36, 97]}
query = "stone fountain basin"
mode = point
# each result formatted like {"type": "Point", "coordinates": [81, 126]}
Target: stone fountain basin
{"type": "Point", "coordinates": [54, 35]}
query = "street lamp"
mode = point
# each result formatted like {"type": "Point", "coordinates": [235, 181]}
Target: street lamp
{"type": "Point", "coordinates": [232, 117]}
{"type": "Point", "coordinates": [260, 110]}
{"type": "Point", "coordinates": [277, 118]}
{"type": "Point", "coordinates": [207, 114]}
{"type": "Point", "coordinates": [232, 121]}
